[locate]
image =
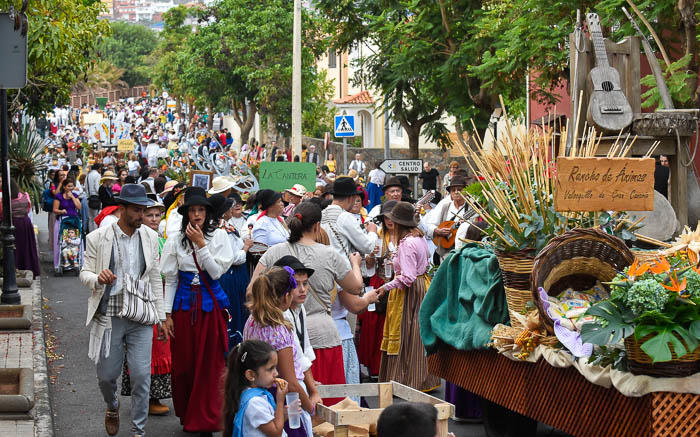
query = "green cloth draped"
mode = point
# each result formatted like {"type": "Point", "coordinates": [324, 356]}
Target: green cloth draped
{"type": "Point", "coordinates": [465, 301]}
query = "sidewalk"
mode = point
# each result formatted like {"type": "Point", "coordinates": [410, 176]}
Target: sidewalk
{"type": "Point", "coordinates": [26, 349]}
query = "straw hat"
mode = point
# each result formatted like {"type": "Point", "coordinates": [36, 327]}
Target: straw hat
{"type": "Point", "coordinates": [169, 186]}
{"type": "Point", "coordinates": [221, 184]}
{"type": "Point", "coordinates": [108, 175]}
{"type": "Point", "coordinates": [297, 190]}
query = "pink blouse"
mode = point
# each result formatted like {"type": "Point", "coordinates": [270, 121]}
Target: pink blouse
{"type": "Point", "coordinates": [411, 261]}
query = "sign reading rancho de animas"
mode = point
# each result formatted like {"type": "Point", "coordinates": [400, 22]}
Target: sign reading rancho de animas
{"type": "Point", "coordinates": [604, 184]}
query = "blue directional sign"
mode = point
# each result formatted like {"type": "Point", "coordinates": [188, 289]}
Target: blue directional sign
{"type": "Point", "coordinates": [344, 126]}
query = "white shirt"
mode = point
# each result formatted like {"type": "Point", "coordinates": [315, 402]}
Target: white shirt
{"type": "Point", "coordinates": [345, 233]}
{"type": "Point", "coordinates": [152, 154]}
{"type": "Point", "coordinates": [377, 177]}
{"type": "Point", "coordinates": [270, 231]}
{"type": "Point", "coordinates": [129, 261]}
{"type": "Point", "coordinates": [443, 211]}
{"type": "Point", "coordinates": [295, 317]}
{"type": "Point", "coordinates": [177, 257]}
{"type": "Point", "coordinates": [358, 166]}
{"type": "Point", "coordinates": [133, 166]}
{"type": "Point", "coordinates": [93, 183]}
{"type": "Point", "coordinates": [258, 412]}
{"type": "Point", "coordinates": [173, 223]}
{"type": "Point", "coordinates": [239, 255]}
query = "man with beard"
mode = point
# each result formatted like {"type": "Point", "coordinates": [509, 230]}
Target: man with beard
{"type": "Point", "coordinates": [115, 257]}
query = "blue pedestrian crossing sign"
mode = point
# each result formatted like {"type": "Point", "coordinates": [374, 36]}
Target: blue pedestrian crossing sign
{"type": "Point", "coordinates": [344, 126]}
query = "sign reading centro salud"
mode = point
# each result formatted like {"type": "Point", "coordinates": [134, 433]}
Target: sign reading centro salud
{"type": "Point", "coordinates": [280, 176]}
{"type": "Point", "coordinates": [604, 184]}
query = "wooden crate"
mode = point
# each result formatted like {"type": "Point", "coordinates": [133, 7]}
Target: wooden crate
{"type": "Point", "coordinates": [386, 391]}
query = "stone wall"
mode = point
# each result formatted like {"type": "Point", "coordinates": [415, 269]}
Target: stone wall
{"type": "Point", "coordinates": [439, 159]}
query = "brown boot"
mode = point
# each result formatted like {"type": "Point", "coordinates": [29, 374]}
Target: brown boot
{"type": "Point", "coordinates": [112, 421]}
{"type": "Point", "coordinates": [155, 408]}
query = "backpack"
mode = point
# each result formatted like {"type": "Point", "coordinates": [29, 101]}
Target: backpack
{"type": "Point", "coordinates": [47, 200]}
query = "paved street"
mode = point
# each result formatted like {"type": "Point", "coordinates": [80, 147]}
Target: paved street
{"type": "Point", "coordinates": [76, 400]}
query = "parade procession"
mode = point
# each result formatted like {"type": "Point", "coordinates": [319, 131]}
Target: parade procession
{"type": "Point", "coordinates": [238, 218]}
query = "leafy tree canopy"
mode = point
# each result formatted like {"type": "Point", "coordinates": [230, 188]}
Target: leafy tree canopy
{"type": "Point", "coordinates": [127, 48]}
{"type": "Point", "coordinates": [62, 38]}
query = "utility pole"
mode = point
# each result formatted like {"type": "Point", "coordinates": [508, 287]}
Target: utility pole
{"type": "Point", "coordinates": [296, 81]}
{"type": "Point", "coordinates": [387, 151]}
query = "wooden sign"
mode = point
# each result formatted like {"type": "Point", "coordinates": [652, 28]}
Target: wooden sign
{"type": "Point", "coordinates": [280, 176]}
{"type": "Point", "coordinates": [92, 118]}
{"type": "Point", "coordinates": [125, 145]}
{"type": "Point", "coordinates": [604, 184]}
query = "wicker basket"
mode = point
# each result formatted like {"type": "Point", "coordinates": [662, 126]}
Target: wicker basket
{"type": "Point", "coordinates": [576, 259]}
{"type": "Point", "coordinates": [641, 364]}
{"type": "Point", "coordinates": [645, 256]}
{"type": "Point", "coordinates": [516, 268]}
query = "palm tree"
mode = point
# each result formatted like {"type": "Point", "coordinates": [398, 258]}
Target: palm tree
{"type": "Point", "coordinates": [27, 162]}
{"type": "Point", "coordinates": [104, 76]}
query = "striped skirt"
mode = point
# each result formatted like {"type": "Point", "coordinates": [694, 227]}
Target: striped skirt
{"type": "Point", "coordinates": [410, 366]}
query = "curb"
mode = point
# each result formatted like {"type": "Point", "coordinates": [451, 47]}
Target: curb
{"type": "Point", "coordinates": [43, 418]}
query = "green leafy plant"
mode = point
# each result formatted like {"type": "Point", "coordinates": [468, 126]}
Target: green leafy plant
{"type": "Point", "coordinates": [27, 163]}
{"type": "Point", "coordinates": [654, 302]}
{"type": "Point", "coordinates": [677, 79]}
{"type": "Point", "coordinates": [604, 356]}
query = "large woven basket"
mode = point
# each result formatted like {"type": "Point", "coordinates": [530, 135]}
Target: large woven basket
{"type": "Point", "coordinates": [516, 268]}
{"type": "Point", "coordinates": [641, 364]}
{"type": "Point", "coordinates": [576, 259]}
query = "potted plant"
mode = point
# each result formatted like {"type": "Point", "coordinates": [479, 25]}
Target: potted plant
{"type": "Point", "coordinates": [655, 308]}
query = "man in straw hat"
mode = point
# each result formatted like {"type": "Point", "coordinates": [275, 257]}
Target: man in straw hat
{"type": "Point", "coordinates": [221, 185]}
{"type": "Point", "coordinates": [294, 197]}
{"type": "Point", "coordinates": [114, 257]}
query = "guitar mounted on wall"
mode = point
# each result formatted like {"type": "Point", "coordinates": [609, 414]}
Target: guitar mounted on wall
{"type": "Point", "coordinates": [608, 108]}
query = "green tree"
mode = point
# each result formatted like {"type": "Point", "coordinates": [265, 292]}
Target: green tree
{"type": "Point", "coordinates": [167, 63]}
{"type": "Point", "coordinates": [405, 70]}
{"type": "Point", "coordinates": [62, 39]}
{"type": "Point", "coordinates": [128, 48]}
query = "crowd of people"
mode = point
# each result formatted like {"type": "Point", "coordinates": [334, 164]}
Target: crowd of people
{"type": "Point", "coordinates": [226, 300]}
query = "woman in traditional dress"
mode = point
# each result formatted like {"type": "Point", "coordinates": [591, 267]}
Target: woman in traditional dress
{"type": "Point", "coordinates": [235, 280]}
{"type": "Point", "coordinates": [26, 256]}
{"type": "Point", "coordinates": [195, 304]}
{"type": "Point", "coordinates": [372, 322]}
{"type": "Point", "coordinates": [269, 228]}
{"type": "Point", "coordinates": [403, 356]}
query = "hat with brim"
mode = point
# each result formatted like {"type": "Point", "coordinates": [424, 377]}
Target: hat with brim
{"type": "Point", "coordinates": [393, 181]}
{"type": "Point", "coordinates": [221, 184]}
{"type": "Point", "coordinates": [293, 263]}
{"type": "Point", "coordinates": [194, 196]}
{"type": "Point", "coordinates": [403, 213]}
{"type": "Point", "coordinates": [169, 186]}
{"type": "Point", "coordinates": [220, 204]}
{"type": "Point", "coordinates": [387, 207]}
{"type": "Point", "coordinates": [108, 176]}
{"type": "Point", "coordinates": [267, 198]}
{"type": "Point", "coordinates": [344, 187]}
{"type": "Point", "coordinates": [297, 190]}
{"type": "Point", "coordinates": [133, 194]}
{"type": "Point", "coordinates": [457, 181]}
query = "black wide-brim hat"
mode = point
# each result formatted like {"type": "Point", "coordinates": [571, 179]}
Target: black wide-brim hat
{"type": "Point", "coordinates": [267, 198]}
{"type": "Point", "coordinates": [133, 194]}
{"type": "Point", "coordinates": [344, 187]}
{"type": "Point", "coordinates": [404, 214]}
{"type": "Point", "coordinates": [393, 181]}
{"type": "Point", "coordinates": [194, 196]}
{"type": "Point", "coordinates": [293, 263]}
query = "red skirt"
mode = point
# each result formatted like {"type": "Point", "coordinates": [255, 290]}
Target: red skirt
{"type": "Point", "coordinates": [198, 367]}
{"type": "Point", "coordinates": [371, 335]}
{"type": "Point", "coordinates": [328, 369]}
{"type": "Point", "coordinates": [161, 362]}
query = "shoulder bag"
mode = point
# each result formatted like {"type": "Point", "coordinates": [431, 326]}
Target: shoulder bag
{"type": "Point", "coordinates": [138, 303]}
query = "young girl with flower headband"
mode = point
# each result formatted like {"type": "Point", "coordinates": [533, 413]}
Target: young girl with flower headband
{"type": "Point", "coordinates": [271, 296]}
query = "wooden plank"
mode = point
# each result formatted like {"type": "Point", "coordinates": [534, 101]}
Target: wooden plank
{"type": "Point", "coordinates": [442, 428]}
{"type": "Point", "coordinates": [341, 431]}
{"type": "Point", "coordinates": [604, 184]}
{"type": "Point", "coordinates": [325, 413]}
{"type": "Point", "coordinates": [386, 395]}
{"type": "Point", "coordinates": [633, 73]}
{"type": "Point", "coordinates": [445, 409]}
{"type": "Point", "coordinates": [678, 188]}
{"type": "Point", "coordinates": [363, 417]}
{"type": "Point", "coordinates": [641, 146]}
{"type": "Point", "coordinates": [348, 390]}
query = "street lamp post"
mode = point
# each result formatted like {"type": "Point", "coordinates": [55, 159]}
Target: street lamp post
{"type": "Point", "coordinates": [296, 81]}
{"type": "Point", "coordinates": [10, 292]}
